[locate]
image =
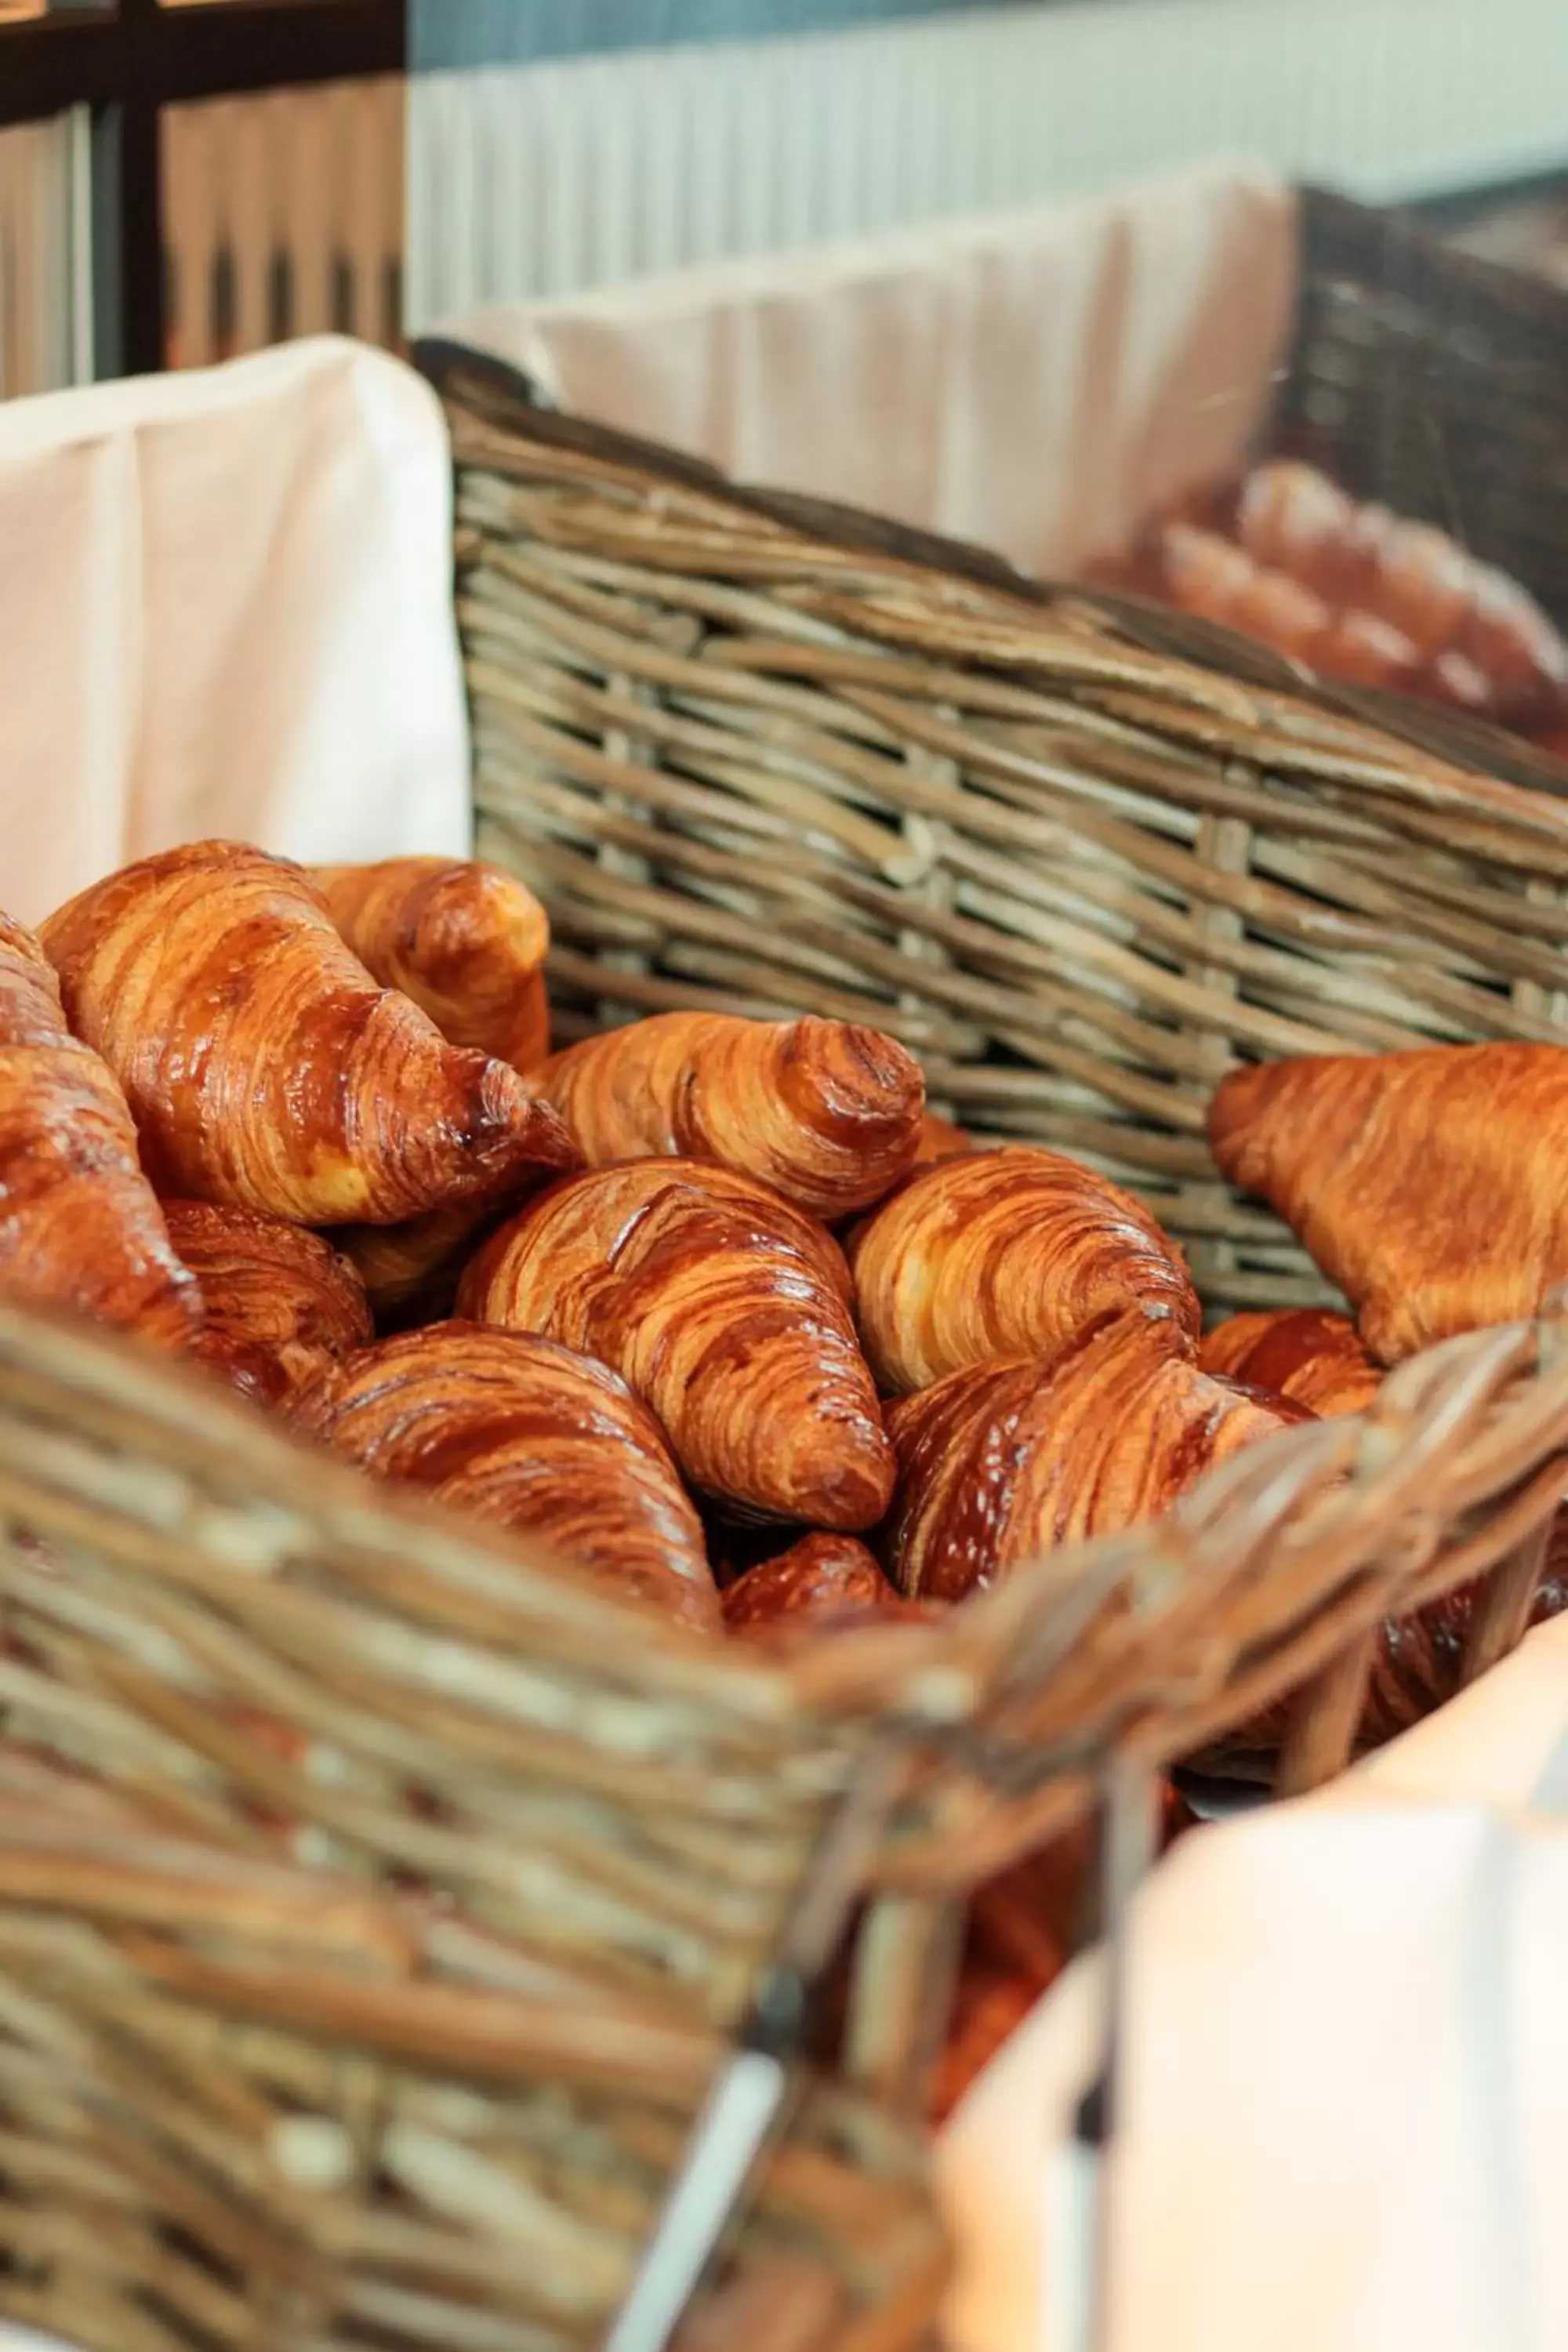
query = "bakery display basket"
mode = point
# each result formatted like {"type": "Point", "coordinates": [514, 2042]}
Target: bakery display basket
{"type": "Point", "coordinates": [381, 1901]}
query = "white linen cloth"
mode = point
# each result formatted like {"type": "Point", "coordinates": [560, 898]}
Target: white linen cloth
{"type": "Point", "coordinates": [1039, 382]}
{"type": "Point", "coordinates": [226, 608]}
{"type": "Point", "coordinates": [1346, 2125]}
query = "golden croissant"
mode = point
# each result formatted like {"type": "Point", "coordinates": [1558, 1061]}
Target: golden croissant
{"type": "Point", "coordinates": [940, 1140]}
{"type": "Point", "coordinates": [281, 1303]}
{"type": "Point", "coordinates": [1305, 1353]}
{"type": "Point", "coordinates": [1001, 1462]}
{"type": "Point", "coordinates": [1007, 1253]}
{"type": "Point", "coordinates": [465, 941]}
{"type": "Point", "coordinates": [728, 1312]}
{"type": "Point", "coordinates": [1431, 1187]}
{"type": "Point", "coordinates": [79, 1225]}
{"type": "Point", "coordinates": [411, 1272]}
{"type": "Point", "coordinates": [528, 1433]}
{"type": "Point", "coordinates": [829, 1115]}
{"type": "Point", "coordinates": [265, 1068]}
{"type": "Point", "coordinates": [819, 1580]}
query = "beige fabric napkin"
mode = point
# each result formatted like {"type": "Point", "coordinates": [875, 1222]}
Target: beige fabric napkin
{"type": "Point", "coordinates": [1039, 382]}
{"type": "Point", "coordinates": [226, 608]}
{"type": "Point", "coordinates": [1347, 2086]}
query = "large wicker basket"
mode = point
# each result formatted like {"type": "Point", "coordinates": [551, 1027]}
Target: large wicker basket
{"type": "Point", "coordinates": [381, 2027]}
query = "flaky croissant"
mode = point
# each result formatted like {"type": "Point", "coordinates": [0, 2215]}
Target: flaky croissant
{"type": "Point", "coordinates": [465, 941]}
{"type": "Point", "coordinates": [728, 1312]}
{"type": "Point", "coordinates": [941, 1140]}
{"type": "Point", "coordinates": [265, 1068]}
{"type": "Point", "coordinates": [528, 1433]}
{"type": "Point", "coordinates": [80, 1226]}
{"type": "Point", "coordinates": [1001, 1462]}
{"type": "Point", "coordinates": [818, 1580]}
{"type": "Point", "coordinates": [829, 1115]}
{"type": "Point", "coordinates": [1006, 1253]}
{"type": "Point", "coordinates": [281, 1303]}
{"type": "Point", "coordinates": [411, 1272]}
{"type": "Point", "coordinates": [1432, 1186]}
{"type": "Point", "coordinates": [1305, 1353]}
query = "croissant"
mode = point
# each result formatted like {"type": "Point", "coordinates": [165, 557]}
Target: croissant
{"type": "Point", "coordinates": [1312, 1357]}
{"type": "Point", "coordinates": [80, 1226]}
{"type": "Point", "coordinates": [528, 1433]}
{"type": "Point", "coordinates": [1431, 1186]}
{"type": "Point", "coordinates": [940, 1140]}
{"type": "Point", "coordinates": [818, 1580]}
{"type": "Point", "coordinates": [1416, 1669]}
{"type": "Point", "coordinates": [465, 941]}
{"type": "Point", "coordinates": [1006, 1253]}
{"type": "Point", "coordinates": [1414, 578]}
{"type": "Point", "coordinates": [280, 1302]}
{"type": "Point", "coordinates": [727, 1310]}
{"type": "Point", "coordinates": [265, 1068]}
{"type": "Point", "coordinates": [827, 1113]}
{"type": "Point", "coordinates": [411, 1272]}
{"type": "Point", "coordinates": [1002, 1462]}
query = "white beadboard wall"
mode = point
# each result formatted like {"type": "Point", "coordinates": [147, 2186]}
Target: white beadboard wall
{"type": "Point", "coordinates": [542, 180]}
{"type": "Point", "coordinates": [45, 280]}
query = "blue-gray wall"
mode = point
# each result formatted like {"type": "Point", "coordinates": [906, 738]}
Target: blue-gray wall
{"type": "Point", "coordinates": [492, 32]}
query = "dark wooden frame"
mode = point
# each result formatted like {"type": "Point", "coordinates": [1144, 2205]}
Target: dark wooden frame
{"type": "Point", "coordinates": [128, 63]}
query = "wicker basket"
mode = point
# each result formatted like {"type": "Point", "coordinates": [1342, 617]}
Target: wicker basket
{"type": "Point", "coordinates": [426, 2085]}
{"type": "Point", "coordinates": [250, 2104]}
{"type": "Point", "coordinates": [361, 1976]}
{"type": "Point", "coordinates": [1079, 855]}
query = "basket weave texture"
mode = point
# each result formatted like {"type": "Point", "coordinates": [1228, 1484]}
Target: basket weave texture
{"type": "Point", "coordinates": [1081, 857]}
{"type": "Point", "coordinates": [246, 2104]}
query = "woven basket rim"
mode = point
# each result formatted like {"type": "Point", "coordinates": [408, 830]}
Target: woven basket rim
{"type": "Point", "coordinates": [456, 371]}
{"type": "Point", "coordinates": [934, 1683]}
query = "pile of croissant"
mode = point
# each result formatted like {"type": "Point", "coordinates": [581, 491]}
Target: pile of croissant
{"type": "Point", "coordinates": [714, 1307]}
{"type": "Point", "coordinates": [711, 1306]}
{"type": "Point", "coordinates": [1358, 593]}
{"type": "Point", "coordinates": [679, 1302]}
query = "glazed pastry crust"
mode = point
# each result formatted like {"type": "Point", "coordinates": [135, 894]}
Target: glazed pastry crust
{"type": "Point", "coordinates": [1007, 1253]}
{"type": "Point", "coordinates": [264, 1066]}
{"type": "Point", "coordinates": [726, 1309]}
{"type": "Point", "coordinates": [530, 1435]}
{"type": "Point", "coordinates": [281, 1303]}
{"type": "Point", "coordinates": [1002, 1462]}
{"type": "Point", "coordinates": [819, 1580]}
{"type": "Point", "coordinates": [465, 941]}
{"type": "Point", "coordinates": [827, 1113]}
{"type": "Point", "coordinates": [79, 1225]}
{"type": "Point", "coordinates": [1431, 1187]}
{"type": "Point", "coordinates": [1305, 1353]}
